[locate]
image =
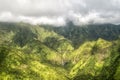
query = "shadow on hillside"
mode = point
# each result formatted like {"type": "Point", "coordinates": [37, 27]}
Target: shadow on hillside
{"type": "Point", "coordinates": [3, 53]}
{"type": "Point", "coordinates": [80, 34]}
{"type": "Point", "coordinates": [108, 70]}
{"type": "Point", "coordinates": [84, 77]}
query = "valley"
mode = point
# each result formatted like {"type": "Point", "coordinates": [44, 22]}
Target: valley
{"type": "Point", "coordinates": [70, 52]}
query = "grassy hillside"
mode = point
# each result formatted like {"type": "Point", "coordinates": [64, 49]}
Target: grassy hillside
{"type": "Point", "coordinates": [33, 52]}
{"type": "Point", "coordinates": [97, 60]}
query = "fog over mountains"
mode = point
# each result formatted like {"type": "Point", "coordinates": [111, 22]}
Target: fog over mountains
{"type": "Point", "coordinates": [57, 12]}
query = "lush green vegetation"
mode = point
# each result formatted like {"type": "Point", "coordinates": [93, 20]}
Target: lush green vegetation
{"type": "Point", "coordinates": [83, 33]}
{"type": "Point", "coordinates": [33, 52]}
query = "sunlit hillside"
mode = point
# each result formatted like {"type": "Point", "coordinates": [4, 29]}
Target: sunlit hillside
{"type": "Point", "coordinates": [39, 52]}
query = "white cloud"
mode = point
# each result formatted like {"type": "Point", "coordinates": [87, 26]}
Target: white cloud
{"type": "Point", "coordinates": [6, 16]}
{"type": "Point", "coordinates": [43, 20]}
{"type": "Point", "coordinates": [58, 11]}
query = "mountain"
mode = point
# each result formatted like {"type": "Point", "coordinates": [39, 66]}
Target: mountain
{"type": "Point", "coordinates": [83, 33]}
{"type": "Point", "coordinates": [70, 52]}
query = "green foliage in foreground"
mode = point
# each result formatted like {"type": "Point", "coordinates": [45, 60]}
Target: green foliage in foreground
{"type": "Point", "coordinates": [15, 64]}
{"type": "Point", "coordinates": [42, 63]}
{"type": "Point", "coordinates": [102, 65]}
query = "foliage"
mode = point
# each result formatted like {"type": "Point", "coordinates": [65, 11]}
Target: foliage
{"type": "Point", "coordinates": [33, 52]}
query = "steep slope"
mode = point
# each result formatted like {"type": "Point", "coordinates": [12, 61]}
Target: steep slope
{"type": "Point", "coordinates": [83, 33]}
{"type": "Point", "coordinates": [16, 64]}
{"type": "Point", "coordinates": [24, 55]}
{"type": "Point", "coordinates": [22, 33]}
{"type": "Point", "coordinates": [29, 52]}
{"type": "Point", "coordinates": [97, 60]}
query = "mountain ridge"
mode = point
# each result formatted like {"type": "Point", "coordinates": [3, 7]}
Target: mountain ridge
{"type": "Point", "coordinates": [37, 52]}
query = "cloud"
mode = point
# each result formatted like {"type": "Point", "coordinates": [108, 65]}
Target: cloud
{"type": "Point", "coordinates": [43, 20]}
{"type": "Point", "coordinates": [56, 12]}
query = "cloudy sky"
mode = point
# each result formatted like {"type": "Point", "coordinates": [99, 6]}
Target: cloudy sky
{"type": "Point", "coordinates": [57, 12]}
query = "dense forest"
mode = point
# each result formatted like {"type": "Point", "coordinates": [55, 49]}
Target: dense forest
{"type": "Point", "coordinates": [70, 52]}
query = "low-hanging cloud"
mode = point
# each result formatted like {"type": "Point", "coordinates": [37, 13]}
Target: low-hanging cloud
{"type": "Point", "coordinates": [56, 12]}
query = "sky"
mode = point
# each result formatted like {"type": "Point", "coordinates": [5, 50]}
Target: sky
{"type": "Point", "coordinates": [58, 12]}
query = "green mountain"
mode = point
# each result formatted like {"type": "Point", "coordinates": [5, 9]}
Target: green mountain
{"type": "Point", "coordinates": [45, 52]}
{"type": "Point", "coordinates": [83, 33]}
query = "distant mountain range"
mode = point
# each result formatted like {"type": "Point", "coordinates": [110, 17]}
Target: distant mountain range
{"type": "Point", "coordinates": [70, 52]}
{"type": "Point", "coordinates": [82, 33]}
